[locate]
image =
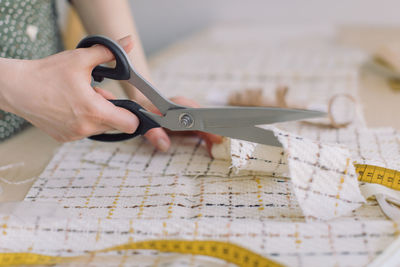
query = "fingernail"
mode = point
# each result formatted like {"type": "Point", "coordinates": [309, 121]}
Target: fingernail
{"type": "Point", "coordinates": [162, 145]}
{"type": "Point", "coordinates": [125, 41]}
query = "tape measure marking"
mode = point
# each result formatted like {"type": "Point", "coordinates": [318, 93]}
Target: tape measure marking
{"type": "Point", "coordinates": [226, 251]}
{"type": "Point", "coordinates": [378, 175]}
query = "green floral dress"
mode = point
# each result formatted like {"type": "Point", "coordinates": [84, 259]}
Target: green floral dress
{"type": "Point", "coordinates": [28, 30]}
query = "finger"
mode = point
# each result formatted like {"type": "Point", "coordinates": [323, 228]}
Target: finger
{"type": "Point", "coordinates": [99, 54]}
{"type": "Point", "coordinates": [216, 139]}
{"type": "Point", "coordinates": [159, 139]}
{"type": "Point", "coordinates": [213, 138]}
{"type": "Point", "coordinates": [104, 93]}
{"type": "Point", "coordinates": [210, 139]}
{"type": "Point", "coordinates": [118, 118]}
{"type": "Point", "coordinates": [209, 145]}
{"type": "Point", "coordinates": [102, 128]}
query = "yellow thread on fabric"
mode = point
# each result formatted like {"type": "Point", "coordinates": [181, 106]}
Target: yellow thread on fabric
{"type": "Point", "coordinates": [4, 225]}
{"type": "Point", "coordinates": [116, 199]}
{"type": "Point", "coordinates": [93, 189]}
{"type": "Point", "coordinates": [201, 200]}
{"type": "Point", "coordinates": [70, 182]}
{"type": "Point", "coordinates": [165, 232]}
{"type": "Point", "coordinates": [396, 227]}
{"type": "Point", "coordinates": [340, 186]}
{"type": "Point", "coordinates": [98, 230]}
{"type": "Point", "coordinates": [123, 259]}
{"type": "Point", "coordinates": [171, 205]}
{"type": "Point", "coordinates": [131, 231]}
{"type": "Point", "coordinates": [223, 250]}
{"type": "Point", "coordinates": [195, 233]}
{"type": "Point", "coordinates": [145, 197]}
{"type": "Point", "coordinates": [259, 191]}
{"type": "Point", "coordinates": [297, 237]}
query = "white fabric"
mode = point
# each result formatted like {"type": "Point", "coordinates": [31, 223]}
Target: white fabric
{"type": "Point", "coordinates": [322, 176]}
{"type": "Point", "coordinates": [390, 257]}
{"type": "Point", "coordinates": [115, 193]}
{"type": "Point", "coordinates": [388, 199]}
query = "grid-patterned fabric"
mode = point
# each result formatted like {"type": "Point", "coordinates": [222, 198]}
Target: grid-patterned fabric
{"type": "Point", "coordinates": [115, 193]}
{"type": "Point", "coordinates": [336, 243]}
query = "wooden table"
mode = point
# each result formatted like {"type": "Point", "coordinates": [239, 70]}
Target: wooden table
{"type": "Point", "coordinates": [35, 149]}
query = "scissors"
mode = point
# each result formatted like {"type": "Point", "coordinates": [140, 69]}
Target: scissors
{"type": "Point", "coordinates": [231, 121]}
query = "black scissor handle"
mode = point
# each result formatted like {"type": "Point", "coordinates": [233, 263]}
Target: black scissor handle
{"type": "Point", "coordinates": [120, 72]}
{"type": "Point", "coordinates": [122, 67]}
{"type": "Point", "coordinates": [145, 123]}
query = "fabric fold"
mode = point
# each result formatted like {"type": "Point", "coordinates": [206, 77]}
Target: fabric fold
{"type": "Point", "coordinates": [323, 176]}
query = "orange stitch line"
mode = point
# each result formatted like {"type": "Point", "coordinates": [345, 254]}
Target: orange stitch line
{"type": "Point", "coordinates": [201, 200]}
{"type": "Point", "coordinates": [165, 232]}
{"type": "Point", "coordinates": [131, 230]}
{"type": "Point", "coordinates": [146, 193]}
{"type": "Point", "coordinates": [114, 204]}
{"type": "Point", "coordinates": [396, 228]}
{"type": "Point", "coordinates": [94, 187]}
{"type": "Point", "coordinates": [259, 198]}
{"type": "Point", "coordinates": [4, 225]}
{"type": "Point", "coordinates": [70, 182]}
{"type": "Point", "coordinates": [195, 233]}
{"type": "Point", "coordinates": [123, 259]}
{"type": "Point", "coordinates": [340, 186]}
{"type": "Point", "coordinates": [98, 230]}
{"type": "Point", "coordinates": [297, 237]}
{"type": "Point", "coordinates": [170, 210]}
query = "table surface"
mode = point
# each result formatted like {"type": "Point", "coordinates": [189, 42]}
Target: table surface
{"type": "Point", "coordinates": [35, 149]}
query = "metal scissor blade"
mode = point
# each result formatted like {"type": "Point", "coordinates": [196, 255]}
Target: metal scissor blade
{"type": "Point", "coordinates": [205, 119]}
{"type": "Point", "coordinates": [235, 117]}
{"type": "Point", "coordinates": [251, 134]}
{"type": "Point", "coordinates": [247, 133]}
{"type": "Point", "coordinates": [162, 103]}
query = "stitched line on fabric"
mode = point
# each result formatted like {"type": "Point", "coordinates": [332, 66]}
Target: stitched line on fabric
{"type": "Point", "coordinates": [322, 167]}
{"type": "Point", "coordinates": [72, 230]}
{"type": "Point", "coordinates": [311, 179]}
{"type": "Point", "coordinates": [340, 186]}
{"type": "Point", "coordinates": [328, 195]}
{"type": "Point", "coordinates": [180, 205]}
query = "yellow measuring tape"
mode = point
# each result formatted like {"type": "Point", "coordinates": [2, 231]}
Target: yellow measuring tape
{"type": "Point", "coordinates": [226, 251]}
{"type": "Point", "coordinates": [378, 175]}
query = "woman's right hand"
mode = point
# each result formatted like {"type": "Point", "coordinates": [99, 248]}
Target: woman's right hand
{"type": "Point", "coordinates": [55, 94]}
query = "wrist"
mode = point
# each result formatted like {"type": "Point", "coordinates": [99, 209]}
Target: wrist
{"type": "Point", "coordinates": [11, 74]}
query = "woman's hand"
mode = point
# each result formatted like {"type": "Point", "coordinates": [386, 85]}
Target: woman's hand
{"type": "Point", "coordinates": [55, 94]}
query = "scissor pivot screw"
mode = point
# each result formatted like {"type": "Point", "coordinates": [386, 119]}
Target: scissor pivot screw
{"type": "Point", "coordinates": [186, 120]}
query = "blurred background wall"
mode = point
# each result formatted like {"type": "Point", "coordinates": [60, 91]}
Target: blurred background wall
{"type": "Point", "coordinates": [161, 22]}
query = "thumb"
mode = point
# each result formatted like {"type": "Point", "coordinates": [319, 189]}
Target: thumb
{"type": "Point", "coordinates": [99, 54]}
{"type": "Point", "coordinates": [118, 118]}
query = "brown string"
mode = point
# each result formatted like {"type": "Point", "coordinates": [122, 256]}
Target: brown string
{"type": "Point", "coordinates": [255, 98]}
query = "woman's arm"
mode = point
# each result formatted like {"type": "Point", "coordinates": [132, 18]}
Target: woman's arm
{"type": "Point", "coordinates": [55, 94]}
